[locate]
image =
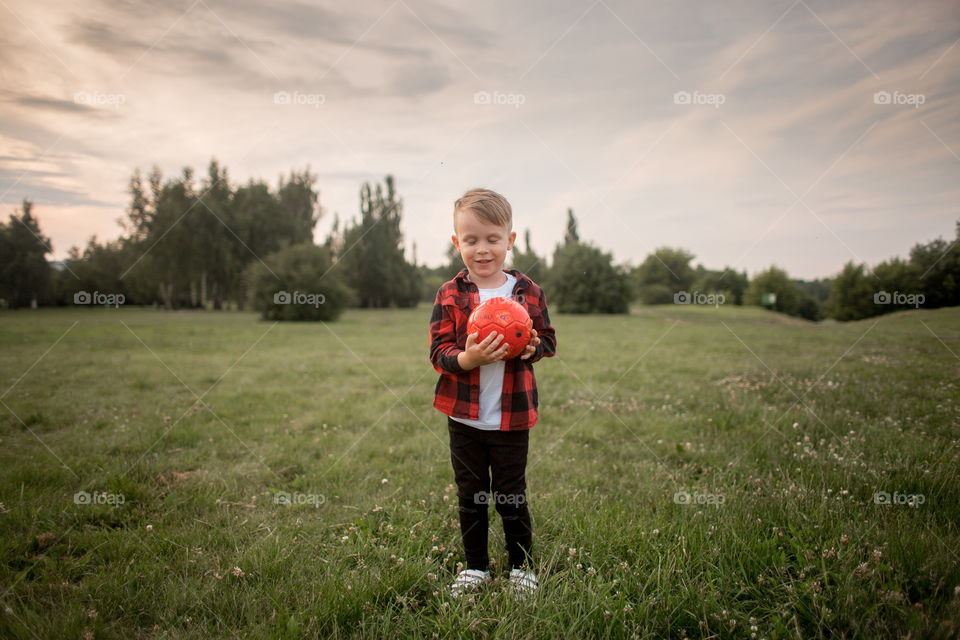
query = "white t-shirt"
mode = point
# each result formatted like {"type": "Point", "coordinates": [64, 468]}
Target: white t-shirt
{"type": "Point", "coordinates": [491, 375]}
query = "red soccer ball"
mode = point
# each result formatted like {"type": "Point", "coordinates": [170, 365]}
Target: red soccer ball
{"type": "Point", "coordinates": [505, 316]}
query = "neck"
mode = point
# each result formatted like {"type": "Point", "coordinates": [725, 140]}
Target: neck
{"type": "Point", "coordinates": [496, 280]}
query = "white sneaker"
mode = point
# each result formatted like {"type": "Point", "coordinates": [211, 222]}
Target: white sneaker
{"type": "Point", "coordinates": [468, 580]}
{"type": "Point", "coordinates": [524, 583]}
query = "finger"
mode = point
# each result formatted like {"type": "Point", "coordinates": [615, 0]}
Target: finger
{"type": "Point", "coordinates": [486, 341]}
{"type": "Point", "coordinates": [533, 332]}
{"type": "Point", "coordinates": [492, 349]}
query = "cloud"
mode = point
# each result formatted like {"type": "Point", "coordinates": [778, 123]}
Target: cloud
{"type": "Point", "coordinates": [598, 129]}
{"type": "Point", "coordinates": [31, 102]}
{"type": "Point", "coordinates": [17, 184]}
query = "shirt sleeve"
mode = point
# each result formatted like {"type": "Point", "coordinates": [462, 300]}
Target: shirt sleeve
{"type": "Point", "coordinates": [443, 338]}
{"type": "Point", "coordinates": [545, 331]}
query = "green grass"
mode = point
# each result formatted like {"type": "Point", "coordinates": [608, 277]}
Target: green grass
{"type": "Point", "coordinates": [785, 429]}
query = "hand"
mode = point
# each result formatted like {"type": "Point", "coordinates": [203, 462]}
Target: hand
{"type": "Point", "coordinates": [490, 349]}
{"type": "Point", "coordinates": [531, 347]}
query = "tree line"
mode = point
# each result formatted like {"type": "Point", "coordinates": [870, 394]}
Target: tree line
{"type": "Point", "coordinates": [582, 278]}
{"type": "Point", "coordinates": [213, 244]}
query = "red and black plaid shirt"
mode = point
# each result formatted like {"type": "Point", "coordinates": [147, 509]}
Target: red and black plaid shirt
{"type": "Point", "coordinates": [458, 391]}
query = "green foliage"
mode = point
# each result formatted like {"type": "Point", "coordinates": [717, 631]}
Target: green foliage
{"type": "Point", "coordinates": [929, 279]}
{"type": "Point", "coordinates": [372, 254]}
{"type": "Point", "coordinates": [184, 245]}
{"type": "Point", "coordinates": [297, 283]}
{"type": "Point", "coordinates": [937, 264]}
{"type": "Point", "coordinates": [187, 245]}
{"type": "Point", "coordinates": [776, 281]}
{"type": "Point", "coordinates": [527, 261]}
{"type": "Point", "coordinates": [454, 263]}
{"type": "Point", "coordinates": [728, 282]}
{"type": "Point", "coordinates": [818, 290]}
{"type": "Point", "coordinates": [430, 281]}
{"type": "Point", "coordinates": [432, 278]}
{"type": "Point", "coordinates": [571, 235]}
{"type": "Point", "coordinates": [808, 308]}
{"type": "Point", "coordinates": [663, 273]}
{"type": "Point", "coordinates": [583, 279]}
{"type": "Point", "coordinates": [24, 272]}
{"type": "Point", "coordinates": [98, 268]}
{"type": "Point", "coordinates": [858, 292]}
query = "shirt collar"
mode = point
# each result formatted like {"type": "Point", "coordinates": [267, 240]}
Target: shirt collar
{"type": "Point", "coordinates": [522, 280]}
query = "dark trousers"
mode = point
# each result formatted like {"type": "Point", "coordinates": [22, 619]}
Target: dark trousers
{"type": "Point", "coordinates": [490, 468]}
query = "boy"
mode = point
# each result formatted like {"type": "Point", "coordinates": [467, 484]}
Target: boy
{"type": "Point", "coordinates": [491, 403]}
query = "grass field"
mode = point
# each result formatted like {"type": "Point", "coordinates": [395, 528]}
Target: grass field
{"type": "Point", "coordinates": [696, 472]}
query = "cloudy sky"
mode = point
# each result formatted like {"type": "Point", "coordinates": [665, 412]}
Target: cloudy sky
{"type": "Point", "coordinates": [802, 133]}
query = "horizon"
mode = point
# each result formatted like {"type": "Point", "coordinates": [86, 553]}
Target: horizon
{"type": "Point", "coordinates": [547, 257]}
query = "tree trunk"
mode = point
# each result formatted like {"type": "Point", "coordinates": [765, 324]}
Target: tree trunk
{"type": "Point", "coordinates": [166, 293]}
{"type": "Point", "coordinates": [203, 289]}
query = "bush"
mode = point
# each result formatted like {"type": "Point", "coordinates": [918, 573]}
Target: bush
{"type": "Point", "coordinates": [851, 296]}
{"type": "Point", "coordinates": [297, 283]}
{"type": "Point", "coordinates": [776, 281]}
{"type": "Point", "coordinates": [583, 279]}
{"type": "Point", "coordinates": [664, 272]}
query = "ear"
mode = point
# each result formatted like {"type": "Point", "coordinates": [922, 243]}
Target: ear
{"type": "Point", "coordinates": [455, 241]}
{"type": "Point", "coordinates": [512, 240]}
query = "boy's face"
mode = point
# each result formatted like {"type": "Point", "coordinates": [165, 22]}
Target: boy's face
{"type": "Point", "coordinates": [483, 246]}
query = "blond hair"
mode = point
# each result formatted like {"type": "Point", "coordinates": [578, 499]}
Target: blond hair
{"type": "Point", "coordinates": [489, 206]}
